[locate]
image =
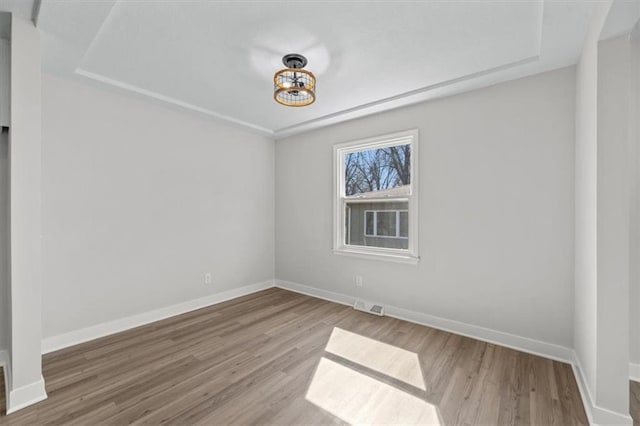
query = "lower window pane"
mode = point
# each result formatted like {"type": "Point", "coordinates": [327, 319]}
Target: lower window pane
{"type": "Point", "coordinates": [377, 224]}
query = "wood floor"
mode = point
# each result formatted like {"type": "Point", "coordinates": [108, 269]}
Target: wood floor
{"type": "Point", "coordinates": [277, 357]}
{"type": "Point", "coordinates": [634, 404]}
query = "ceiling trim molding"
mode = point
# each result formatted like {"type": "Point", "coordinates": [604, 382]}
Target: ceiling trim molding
{"type": "Point", "coordinates": [148, 93]}
{"type": "Point", "coordinates": [404, 99]}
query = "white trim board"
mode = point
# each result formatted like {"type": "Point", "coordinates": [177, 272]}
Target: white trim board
{"type": "Point", "coordinates": [342, 299]}
{"type": "Point", "coordinates": [524, 344]}
{"type": "Point", "coordinates": [25, 396]}
{"type": "Point", "coordinates": [176, 102]}
{"type": "Point", "coordinates": [75, 337]}
{"type": "Point", "coordinates": [585, 394]}
{"type": "Point", "coordinates": [17, 399]}
{"type": "Point", "coordinates": [595, 414]}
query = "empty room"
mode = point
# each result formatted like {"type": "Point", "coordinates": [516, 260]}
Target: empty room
{"type": "Point", "coordinates": [320, 212]}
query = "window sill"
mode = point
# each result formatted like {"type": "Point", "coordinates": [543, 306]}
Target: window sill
{"type": "Point", "coordinates": [405, 258]}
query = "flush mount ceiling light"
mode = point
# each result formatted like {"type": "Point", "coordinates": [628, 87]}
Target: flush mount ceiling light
{"type": "Point", "coordinates": [294, 86]}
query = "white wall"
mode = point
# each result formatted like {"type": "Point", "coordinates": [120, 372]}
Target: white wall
{"type": "Point", "coordinates": [586, 180]}
{"type": "Point", "coordinates": [634, 299]}
{"type": "Point", "coordinates": [613, 225]}
{"type": "Point", "coordinates": [4, 242]}
{"type": "Point", "coordinates": [605, 206]}
{"type": "Point", "coordinates": [4, 195]}
{"type": "Point", "coordinates": [496, 209]}
{"type": "Point", "coordinates": [27, 385]}
{"type": "Point", "coordinates": [140, 201]}
{"type": "Point", "coordinates": [5, 71]}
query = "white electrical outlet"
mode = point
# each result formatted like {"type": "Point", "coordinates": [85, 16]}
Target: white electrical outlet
{"type": "Point", "coordinates": [207, 278]}
{"type": "Point", "coordinates": [359, 281]}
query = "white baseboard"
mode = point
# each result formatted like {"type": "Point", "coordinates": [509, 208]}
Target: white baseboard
{"type": "Point", "coordinates": [17, 399]}
{"type": "Point", "coordinates": [513, 341]}
{"type": "Point", "coordinates": [524, 344]}
{"type": "Point", "coordinates": [75, 337]}
{"type": "Point", "coordinates": [342, 299]}
{"type": "Point", "coordinates": [595, 414]}
{"type": "Point", "coordinates": [25, 396]}
{"type": "Point", "coordinates": [634, 372]}
{"type": "Point", "coordinates": [583, 388]}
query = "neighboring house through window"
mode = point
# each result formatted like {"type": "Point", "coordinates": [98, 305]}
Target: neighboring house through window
{"type": "Point", "coordinates": [386, 223]}
{"type": "Point", "coordinates": [376, 197]}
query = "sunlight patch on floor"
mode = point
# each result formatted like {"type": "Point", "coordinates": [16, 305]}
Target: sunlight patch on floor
{"type": "Point", "coordinates": [387, 359]}
{"type": "Point", "coordinates": [359, 399]}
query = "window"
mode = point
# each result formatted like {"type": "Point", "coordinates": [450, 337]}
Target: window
{"type": "Point", "coordinates": [376, 197]}
{"type": "Point", "coordinates": [386, 223]}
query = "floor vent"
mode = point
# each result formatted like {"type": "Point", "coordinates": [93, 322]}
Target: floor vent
{"type": "Point", "coordinates": [369, 307]}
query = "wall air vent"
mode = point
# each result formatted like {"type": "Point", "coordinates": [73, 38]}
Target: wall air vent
{"type": "Point", "coordinates": [369, 307]}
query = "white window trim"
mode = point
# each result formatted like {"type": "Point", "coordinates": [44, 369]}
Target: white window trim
{"type": "Point", "coordinates": [375, 224]}
{"type": "Point", "coordinates": [409, 255]}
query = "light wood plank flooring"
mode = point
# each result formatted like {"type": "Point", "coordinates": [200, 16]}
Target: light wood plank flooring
{"type": "Point", "coordinates": [634, 405]}
{"type": "Point", "coordinates": [277, 357]}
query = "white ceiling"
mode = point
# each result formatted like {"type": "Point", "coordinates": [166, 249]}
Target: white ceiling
{"type": "Point", "coordinates": [218, 57]}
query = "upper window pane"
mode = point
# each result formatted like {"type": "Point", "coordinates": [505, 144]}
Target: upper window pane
{"type": "Point", "coordinates": [381, 169]}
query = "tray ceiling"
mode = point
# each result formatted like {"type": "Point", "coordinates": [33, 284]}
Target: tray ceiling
{"type": "Point", "coordinates": [218, 58]}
